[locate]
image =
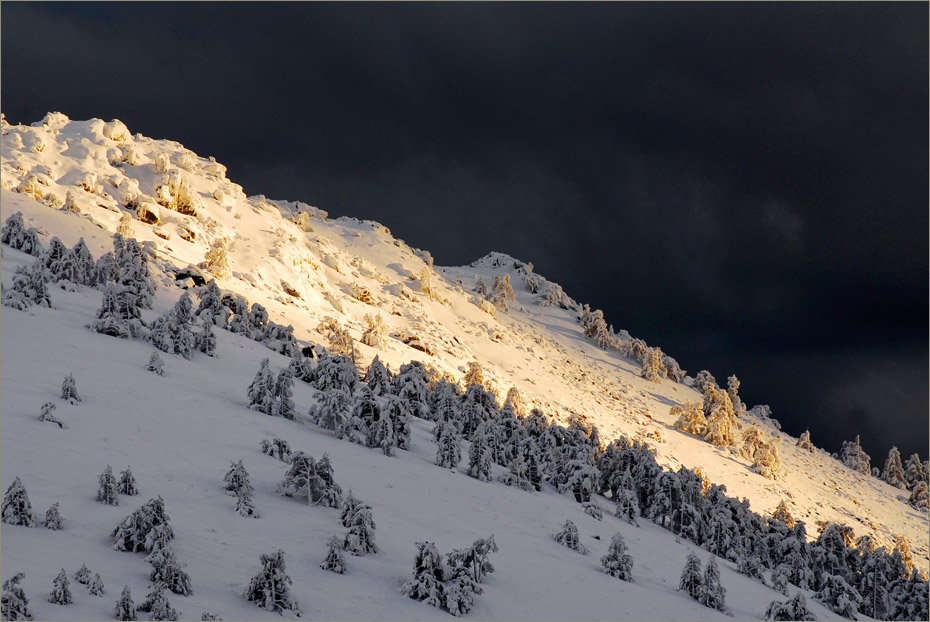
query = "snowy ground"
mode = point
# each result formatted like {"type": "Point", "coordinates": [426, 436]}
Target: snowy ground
{"type": "Point", "coordinates": [179, 433]}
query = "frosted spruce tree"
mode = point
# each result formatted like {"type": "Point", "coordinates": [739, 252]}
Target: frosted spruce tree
{"type": "Point", "coordinates": [13, 602]}
{"type": "Point", "coordinates": [480, 455]}
{"type": "Point", "coordinates": [127, 483]}
{"type": "Point", "coordinates": [53, 518]}
{"type": "Point", "coordinates": [30, 287]}
{"type": "Point", "coordinates": [69, 390]}
{"type": "Point", "coordinates": [855, 458]}
{"type": "Point", "coordinates": [16, 508]}
{"type": "Point", "coordinates": [120, 314]}
{"type": "Point", "coordinates": [652, 368]}
{"type": "Point", "coordinates": [374, 331]}
{"type": "Point", "coordinates": [205, 340]}
{"type": "Point", "coordinates": [261, 392]}
{"type": "Point", "coordinates": [46, 414]}
{"type": "Point", "coordinates": [216, 260]}
{"type": "Point", "coordinates": [893, 473]}
{"type": "Point", "coordinates": [568, 536]}
{"type": "Point", "coordinates": [82, 575]}
{"type": "Point", "coordinates": [617, 562]}
{"type": "Point", "coordinates": [235, 478]}
{"type": "Point", "coordinates": [378, 378]}
{"type": "Point", "coordinates": [146, 529]}
{"type": "Point", "coordinates": [428, 581]}
{"type": "Point", "coordinates": [173, 332]}
{"type": "Point", "coordinates": [95, 588]}
{"type": "Point", "coordinates": [360, 539]}
{"type": "Point", "coordinates": [270, 588]}
{"type": "Point", "coordinates": [107, 487]}
{"type": "Point", "coordinates": [794, 609]}
{"type": "Point", "coordinates": [692, 579]}
{"type": "Point", "coordinates": [804, 441]}
{"type": "Point", "coordinates": [283, 396]}
{"type": "Point", "coordinates": [449, 454]}
{"type": "Point", "coordinates": [277, 448]}
{"type": "Point", "coordinates": [838, 596]}
{"type": "Point", "coordinates": [125, 609]}
{"type": "Point", "coordinates": [156, 365]}
{"type": "Point", "coordinates": [713, 593]}
{"type": "Point", "coordinates": [157, 605]}
{"type": "Point", "coordinates": [167, 571]}
{"type": "Point", "coordinates": [61, 590]}
{"type": "Point", "coordinates": [211, 309]}
{"type": "Point", "coordinates": [335, 560]}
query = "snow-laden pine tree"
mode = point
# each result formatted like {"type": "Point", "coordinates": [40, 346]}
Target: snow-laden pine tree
{"type": "Point", "coordinates": [61, 590]}
{"type": "Point", "coordinates": [16, 508]}
{"type": "Point", "coordinates": [95, 587]}
{"type": "Point", "coordinates": [13, 602]}
{"type": "Point", "coordinates": [920, 498]}
{"type": "Point", "coordinates": [146, 529]}
{"type": "Point", "coordinates": [85, 263]}
{"type": "Point", "coordinates": [713, 593]}
{"type": "Point", "coordinates": [804, 441]}
{"type": "Point", "coordinates": [173, 332]}
{"type": "Point", "coordinates": [216, 261]}
{"type": "Point", "coordinates": [794, 609]}
{"type": "Point", "coordinates": [119, 314]}
{"type": "Point", "coordinates": [766, 462]}
{"type": "Point", "coordinates": [853, 456]}
{"type": "Point", "coordinates": [270, 588]}
{"type": "Point", "coordinates": [261, 392]}
{"type": "Point", "coordinates": [45, 414]}
{"type": "Point", "coordinates": [127, 483]}
{"type": "Point", "coordinates": [167, 571]}
{"type": "Point", "coordinates": [568, 536]}
{"type": "Point", "coordinates": [69, 390]}
{"type": "Point", "coordinates": [333, 412]}
{"type": "Point", "coordinates": [480, 454]}
{"type": "Point", "coordinates": [53, 518]}
{"type": "Point", "coordinates": [627, 501]}
{"type": "Point", "coordinates": [838, 596]}
{"type": "Point", "coordinates": [449, 454]}
{"type": "Point", "coordinates": [692, 579]}
{"type": "Point", "coordinates": [428, 580]}
{"type": "Point", "coordinates": [335, 560]}
{"type": "Point", "coordinates": [360, 539]}
{"type": "Point", "coordinates": [914, 471]}
{"type": "Point", "coordinates": [652, 368]}
{"type": "Point", "coordinates": [721, 422]}
{"type": "Point", "coordinates": [205, 340]}
{"type": "Point", "coordinates": [283, 396]}
{"type": "Point", "coordinates": [208, 616]}
{"type": "Point", "coordinates": [107, 487]}
{"type": "Point", "coordinates": [245, 506]}
{"type": "Point", "coordinates": [125, 609]}
{"type": "Point", "coordinates": [277, 448]}
{"type": "Point", "coordinates": [30, 287]}
{"type": "Point", "coordinates": [617, 562]}
{"type": "Point", "coordinates": [211, 308]}
{"type": "Point", "coordinates": [374, 331]}
{"type": "Point", "coordinates": [501, 294]}
{"type": "Point", "coordinates": [378, 378]}
{"type": "Point", "coordinates": [893, 473]}
{"type": "Point", "coordinates": [690, 418]}
{"type": "Point", "coordinates": [155, 365]}
{"type": "Point", "coordinates": [82, 575]}
{"type": "Point", "coordinates": [157, 605]}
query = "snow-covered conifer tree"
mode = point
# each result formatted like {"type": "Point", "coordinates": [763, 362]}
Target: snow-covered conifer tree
{"type": "Point", "coordinates": [85, 263]}
{"type": "Point", "coordinates": [360, 539]}
{"type": "Point", "coordinates": [428, 580]}
{"type": "Point", "coordinates": [61, 590]}
{"type": "Point", "coordinates": [95, 588]}
{"type": "Point", "coordinates": [270, 588]}
{"type": "Point", "coordinates": [173, 332]}
{"type": "Point", "coordinates": [627, 502]}
{"type": "Point", "coordinates": [690, 418]}
{"type": "Point", "coordinates": [16, 508]}
{"type": "Point", "coordinates": [838, 596]}
{"type": "Point", "coordinates": [51, 258]}
{"type": "Point", "coordinates": [167, 571]}
{"type": "Point", "coordinates": [617, 562]}
{"type": "Point", "coordinates": [721, 421]}
{"type": "Point", "coordinates": [30, 287]}
{"type": "Point", "coordinates": [766, 462]}
{"type": "Point", "coordinates": [125, 608]}
{"type": "Point", "coordinates": [211, 308]}
{"type": "Point", "coordinates": [568, 536]}
{"type": "Point", "coordinates": [208, 616]}
{"type": "Point", "coordinates": [146, 529]}
{"type": "Point", "coordinates": [501, 293]}
{"type": "Point", "coordinates": [283, 395]}
{"type": "Point", "coordinates": [13, 603]}
{"type": "Point", "coordinates": [692, 579]}
{"type": "Point", "coordinates": [157, 605]}
{"type": "Point", "coordinates": [119, 314]}
{"type": "Point", "coordinates": [335, 560]}
{"type": "Point", "coordinates": [69, 390]}
{"type": "Point", "coordinates": [332, 412]}
{"type": "Point", "coordinates": [261, 391]}
{"type": "Point", "coordinates": [53, 518]}
{"type": "Point", "coordinates": [920, 498]}
{"type": "Point", "coordinates": [155, 365]}
{"type": "Point", "coordinates": [783, 514]}
{"type": "Point", "coordinates": [107, 489]}
{"type": "Point", "coordinates": [127, 483]}
{"type": "Point", "coordinates": [381, 434]}
{"type": "Point", "coordinates": [804, 441]}
{"type": "Point", "coordinates": [277, 448]}
{"type": "Point", "coordinates": [245, 506]}
{"type": "Point", "coordinates": [914, 471]}
{"type": "Point", "coordinates": [712, 594]}
{"type": "Point", "coordinates": [479, 454]}
{"type": "Point", "coordinates": [12, 229]}
{"type": "Point", "coordinates": [853, 456]}
{"type": "Point", "coordinates": [235, 477]}
{"type": "Point", "coordinates": [323, 486]}
{"type": "Point", "coordinates": [46, 414]}
{"type": "Point", "coordinates": [794, 609]}
{"type": "Point", "coordinates": [893, 473]}
{"type": "Point", "coordinates": [449, 454]}
{"type": "Point", "coordinates": [652, 368]}
{"type": "Point", "coordinates": [474, 374]}
{"type": "Point", "coordinates": [374, 331]}
{"type": "Point", "coordinates": [216, 260]}
{"type": "Point", "coordinates": [205, 340]}
{"type": "Point", "coordinates": [378, 378]}
{"type": "Point", "coordinates": [518, 475]}
{"type": "Point", "coordinates": [82, 575]}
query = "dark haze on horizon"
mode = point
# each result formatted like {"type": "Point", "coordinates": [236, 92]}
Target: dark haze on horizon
{"type": "Point", "coordinates": [744, 185]}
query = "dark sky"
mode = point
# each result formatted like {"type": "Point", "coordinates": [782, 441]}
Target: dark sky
{"type": "Point", "coordinates": [743, 185]}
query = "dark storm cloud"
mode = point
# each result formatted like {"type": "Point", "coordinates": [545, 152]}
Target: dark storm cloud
{"type": "Point", "coordinates": [742, 184]}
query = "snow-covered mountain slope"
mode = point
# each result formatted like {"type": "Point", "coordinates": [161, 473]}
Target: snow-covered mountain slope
{"type": "Point", "coordinates": [180, 432]}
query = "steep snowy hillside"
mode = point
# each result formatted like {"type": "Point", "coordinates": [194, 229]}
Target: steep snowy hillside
{"type": "Point", "coordinates": [318, 278]}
